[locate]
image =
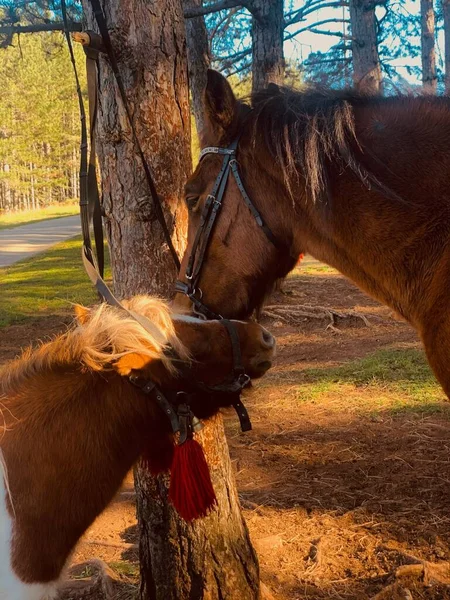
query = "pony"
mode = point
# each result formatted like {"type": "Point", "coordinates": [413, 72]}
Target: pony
{"type": "Point", "coordinates": [72, 424]}
{"type": "Point", "coordinates": [359, 182]}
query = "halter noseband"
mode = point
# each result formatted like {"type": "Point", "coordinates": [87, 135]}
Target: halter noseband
{"type": "Point", "coordinates": [176, 405]}
{"type": "Point", "coordinates": [208, 218]}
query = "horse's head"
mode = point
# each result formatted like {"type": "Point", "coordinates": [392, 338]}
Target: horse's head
{"type": "Point", "coordinates": [180, 352]}
{"type": "Point", "coordinates": [240, 263]}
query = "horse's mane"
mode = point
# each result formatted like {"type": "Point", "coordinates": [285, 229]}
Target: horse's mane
{"type": "Point", "coordinates": [100, 338]}
{"type": "Point", "coordinates": [306, 130]}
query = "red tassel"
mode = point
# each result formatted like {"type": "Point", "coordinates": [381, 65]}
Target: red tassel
{"type": "Point", "coordinates": [159, 456]}
{"type": "Point", "coordinates": [191, 490]}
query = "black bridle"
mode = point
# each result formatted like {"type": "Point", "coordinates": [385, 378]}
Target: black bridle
{"type": "Point", "coordinates": [212, 207]}
{"type": "Point", "coordinates": [177, 405]}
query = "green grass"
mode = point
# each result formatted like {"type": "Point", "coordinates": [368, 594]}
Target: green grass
{"type": "Point", "coordinates": [396, 379]}
{"type": "Point", "coordinates": [305, 268]}
{"type": "Point", "coordinates": [125, 568]}
{"type": "Point", "coordinates": [15, 219]}
{"type": "Point", "coordinates": [46, 284]}
{"type": "Point", "coordinates": [320, 269]}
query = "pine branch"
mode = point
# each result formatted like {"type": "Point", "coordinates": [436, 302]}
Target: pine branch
{"type": "Point", "coordinates": [306, 10]}
{"type": "Point", "coordinates": [200, 11]}
{"type": "Point", "coordinates": [12, 29]}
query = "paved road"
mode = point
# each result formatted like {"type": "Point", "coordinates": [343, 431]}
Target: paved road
{"type": "Point", "coordinates": [24, 241]}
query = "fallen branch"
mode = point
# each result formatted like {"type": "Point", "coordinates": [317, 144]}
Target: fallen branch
{"type": "Point", "coordinates": [295, 314]}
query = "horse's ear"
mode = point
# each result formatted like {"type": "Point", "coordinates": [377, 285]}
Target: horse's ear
{"type": "Point", "coordinates": [274, 89]}
{"type": "Point", "coordinates": [220, 101]}
{"type": "Point", "coordinates": [81, 314]}
{"type": "Point", "coordinates": [131, 362]}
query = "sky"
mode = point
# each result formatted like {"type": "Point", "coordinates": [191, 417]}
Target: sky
{"type": "Point", "coordinates": [308, 42]}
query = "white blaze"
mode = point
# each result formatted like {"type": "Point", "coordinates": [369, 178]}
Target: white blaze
{"type": "Point", "coordinates": [11, 587]}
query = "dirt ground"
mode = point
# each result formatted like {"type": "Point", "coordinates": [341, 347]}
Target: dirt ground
{"type": "Point", "coordinates": [345, 496]}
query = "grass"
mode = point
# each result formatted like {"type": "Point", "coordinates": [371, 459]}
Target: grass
{"type": "Point", "coordinates": [309, 267]}
{"type": "Point", "coordinates": [392, 379]}
{"type": "Point", "coordinates": [15, 219]}
{"type": "Point", "coordinates": [125, 569]}
{"type": "Point", "coordinates": [45, 285]}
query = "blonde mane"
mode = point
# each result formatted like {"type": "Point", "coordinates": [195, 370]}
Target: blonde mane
{"type": "Point", "coordinates": [99, 338]}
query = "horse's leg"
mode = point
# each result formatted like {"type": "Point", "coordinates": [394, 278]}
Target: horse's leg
{"type": "Point", "coordinates": [436, 340]}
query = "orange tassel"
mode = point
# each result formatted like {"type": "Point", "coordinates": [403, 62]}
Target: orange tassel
{"type": "Point", "coordinates": [191, 491]}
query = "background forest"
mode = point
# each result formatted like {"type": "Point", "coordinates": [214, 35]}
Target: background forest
{"type": "Point", "coordinates": [385, 47]}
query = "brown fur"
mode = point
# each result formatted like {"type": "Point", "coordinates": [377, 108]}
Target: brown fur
{"type": "Point", "coordinates": [361, 183]}
{"type": "Point", "coordinates": [72, 425]}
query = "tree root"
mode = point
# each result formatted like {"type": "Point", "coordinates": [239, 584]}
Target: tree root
{"type": "Point", "coordinates": [417, 571]}
{"type": "Point", "coordinates": [295, 314]}
{"type": "Point", "coordinates": [104, 583]}
{"type": "Point", "coordinates": [265, 593]}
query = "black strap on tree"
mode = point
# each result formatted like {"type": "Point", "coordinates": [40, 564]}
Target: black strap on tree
{"type": "Point", "coordinates": [92, 53]}
{"type": "Point", "coordinates": [103, 28]}
{"type": "Point", "coordinates": [89, 196]}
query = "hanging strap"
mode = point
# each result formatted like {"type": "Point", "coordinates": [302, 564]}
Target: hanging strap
{"type": "Point", "coordinates": [95, 208]}
{"type": "Point", "coordinates": [103, 28]}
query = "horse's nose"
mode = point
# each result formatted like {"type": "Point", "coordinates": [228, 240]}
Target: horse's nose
{"type": "Point", "coordinates": [267, 339]}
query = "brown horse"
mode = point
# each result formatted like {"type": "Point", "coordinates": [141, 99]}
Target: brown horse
{"type": "Point", "coordinates": [72, 425]}
{"type": "Point", "coordinates": [360, 183]}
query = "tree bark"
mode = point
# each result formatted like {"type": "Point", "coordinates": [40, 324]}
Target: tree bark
{"type": "Point", "coordinates": [427, 18]}
{"type": "Point", "coordinates": [211, 559]}
{"type": "Point", "coordinates": [446, 14]}
{"type": "Point", "coordinates": [366, 62]}
{"type": "Point", "coordinates": [267, 43]}
{"type": "Point", "coordinates": [150, 45]}
{"type": "Point", "coordinates": [199, 60]}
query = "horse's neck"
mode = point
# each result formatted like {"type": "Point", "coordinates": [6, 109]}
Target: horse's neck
{"type": "Point", "coordinates": [69, 440]}
{"type": "Point", "coordinates": [366, 233]}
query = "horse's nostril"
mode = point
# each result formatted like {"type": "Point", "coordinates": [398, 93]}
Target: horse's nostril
{"type": "Point", "coordinates": [268, 339]}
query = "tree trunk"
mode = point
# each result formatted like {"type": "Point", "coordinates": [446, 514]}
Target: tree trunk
{"type": "Point", "coordinates": [446, 14]}
{"type": "Point", "coordinates": [429, 77]}
{"type": "Point", "coordinates": [150, 46]}
{"type": "Point", "coordinates": [366, 62]}
{"type": "Point", "coordinates": [199, 60]}
{"type": "Point", "coordinates": [267, 43]}
{"type": "Point", "coordinates": [211, 559]}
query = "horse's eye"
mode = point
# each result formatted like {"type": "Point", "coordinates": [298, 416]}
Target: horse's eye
{"type": "Point", "coordinates": [191, 202]}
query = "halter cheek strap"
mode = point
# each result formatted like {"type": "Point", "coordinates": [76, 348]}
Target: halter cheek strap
{"type": "Point", "coordinates": [202, 239]}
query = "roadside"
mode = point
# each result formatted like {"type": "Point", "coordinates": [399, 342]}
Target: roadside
{"type": "Point", "coordinates": [43, 287]}
{"type": "Point", "coordinates": [19, 243]}
{"type": "Point", "coordinates": [16, 219]}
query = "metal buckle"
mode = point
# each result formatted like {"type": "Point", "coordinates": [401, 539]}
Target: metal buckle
{"type": "Point", "coordinates": [243, 380]}
{"type": "Point", "coordinates": [192, 294]}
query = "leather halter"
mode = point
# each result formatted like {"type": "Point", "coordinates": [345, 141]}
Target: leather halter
{"type": "Point", "coordinates": [208, 218]}
{"type": "Point", "coordinates": [176, 405]}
